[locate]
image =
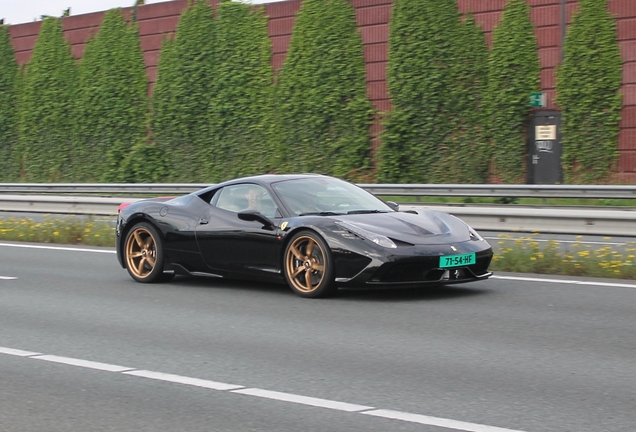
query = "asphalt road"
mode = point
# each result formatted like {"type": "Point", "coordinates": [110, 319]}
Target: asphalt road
{"type": "Point", "coordinates": [84, 348]}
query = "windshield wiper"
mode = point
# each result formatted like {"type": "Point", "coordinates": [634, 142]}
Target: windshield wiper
{"type": "Point", "coordinates": [322, 213]}
{"type": "Point", "coordinates": [366, 211]}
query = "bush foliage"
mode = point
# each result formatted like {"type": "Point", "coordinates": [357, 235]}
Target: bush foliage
{"type": "Point", "coordinates": [182, 94]}
{"type": "Point", "coordinates": [9, 164]}
{"type": "Point", "coordinates": [47, 101]}
{"type": "Point", "coordinates": [241, 93]}
{"type": "Point", "coordinates": [588, 81]}
{"type": "Point", "coordinates": [419, 75]}
{"type": "Point", "coordinates": [513, 73]}
{"type": "Point", "coordinates": [322, 112]}
{"type": "Point", "coordinates": [112, 105]}
{"type": "Point", "coordinates": [436, 78]}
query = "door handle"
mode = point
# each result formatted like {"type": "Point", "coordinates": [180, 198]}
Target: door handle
{"type": "Point", "coordinates": [203, 221]}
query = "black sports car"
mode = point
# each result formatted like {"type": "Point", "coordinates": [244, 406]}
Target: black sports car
{"type": "Point", "coordinates": [312, 231]}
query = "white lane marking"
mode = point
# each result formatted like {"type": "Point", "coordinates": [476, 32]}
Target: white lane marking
{"type": "Point", "coordinates": [83, 363]}
{"type": "Point", "coordinates": [7, 277]}
{"type": "Point", "coordinates": [303, 400]}
{"type": "Point", "coordinates": [436, 421]}
{"type": "Point", "coordinates": [17, 352]}
{"type": "Point", "coordinates": [565, 281]}
{"type": "Point", "coordinates": [57, 248]}
{"type": "Point", "coordinates": [267, 394]}
{"type": "Point", "coordinates": [213, 385]}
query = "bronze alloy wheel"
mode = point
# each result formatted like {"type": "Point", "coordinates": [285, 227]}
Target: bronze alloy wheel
{"type": "Point", "coordinates": [144, 254]}
{"type": "Point", "coordinates": [308, 267]}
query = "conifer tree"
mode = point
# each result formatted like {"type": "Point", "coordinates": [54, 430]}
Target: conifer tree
{"type": "Point", "coordinates": [322, 111]}
{"type": "Point", "coordinates": [513, 74]}
{"type": "Point", "coordinates": [241, 93]}
{"type": "Point", "coordinates": [9, 161]}
{"type": "Point", "coordinates": [112, 104]}
{"type": "Point", "coordinates": [588, 82]}
{"type": "Point", "coordinates": [420, 74]}
{"type": "Point", "coordinates": [182, 95]}
{"type": "Point", "coordinates": [46, 107]}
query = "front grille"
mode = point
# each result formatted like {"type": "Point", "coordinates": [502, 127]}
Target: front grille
{"type": "Point", "coordinates": [427, 270]}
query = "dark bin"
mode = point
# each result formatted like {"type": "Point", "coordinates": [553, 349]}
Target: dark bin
{"type": "Point", "coordinates": [544, 148]}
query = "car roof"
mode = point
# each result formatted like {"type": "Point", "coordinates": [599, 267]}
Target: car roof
{"type": "Point", "coordinates": [263, 179]}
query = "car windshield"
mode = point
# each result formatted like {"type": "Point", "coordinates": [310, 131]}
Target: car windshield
{"type": "Point", "coordinates": [326, 196]}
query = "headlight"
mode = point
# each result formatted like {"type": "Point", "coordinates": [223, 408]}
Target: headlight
{"type": "Point", "coordinates": [378, 239]}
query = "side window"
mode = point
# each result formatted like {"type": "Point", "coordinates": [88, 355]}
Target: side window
{"type": "Point", "coordinates": [241, 197]}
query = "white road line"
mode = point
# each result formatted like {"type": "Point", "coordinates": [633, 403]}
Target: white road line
{"type": "Point", "coordinates": [436, 421]}
{"type": "Point", "coordinates": [7, 277]}
{"type": "Point", "coordinates": [83, 363]}
{"type": "Point", "coordinates": [213, 385]}
{"type": "Point", "coordinates": [57, 248]}
{"type": "Point", "coordinates": [261, 393]}
{"type": "Point", "coordinates": [16, 352]}
{"type": "Point", "coordinates": [303, 400]}
{"type": "Point", "coordinates": [565, 281]}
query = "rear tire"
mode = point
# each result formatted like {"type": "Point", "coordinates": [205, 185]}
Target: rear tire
{"type": "Point", "coordinates": [308, 266]}
{"type": "Point", "coordinates": [143, 254]}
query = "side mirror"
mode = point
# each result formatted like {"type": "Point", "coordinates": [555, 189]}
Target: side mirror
{"type": "Point", "coordinates": [395, 206]}
{"type": "Point", "coordinates": [255, 216]}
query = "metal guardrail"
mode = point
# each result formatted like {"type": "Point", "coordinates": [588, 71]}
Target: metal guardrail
{"type": "Point", "coordinates": [449, 190]}
{"type": "Point", "coordinates": [37, 198]}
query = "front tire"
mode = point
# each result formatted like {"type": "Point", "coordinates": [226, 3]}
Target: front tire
{"type": "Point", "coordinates": [308, 266]}
{"type": "Point", "coordinates": [143, 254]}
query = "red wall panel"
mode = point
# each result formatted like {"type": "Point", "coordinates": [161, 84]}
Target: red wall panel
{"type": "Point", "coordinates": [627, 139]}
{"type": "Point", "coordinates": [629, 117]}
{"type": "Point", "coordinates": [373, 15]}
{"type": "Point", "coordinates": [375, 34]}
{"type": "Point", "coordinates": [376, 71]}
{"type": "Point", "coordinates": [376, 52]}
{"type": "Point", "coordinates": [280, 26]}
{"type": "Point", "coordinates": [629, 73]}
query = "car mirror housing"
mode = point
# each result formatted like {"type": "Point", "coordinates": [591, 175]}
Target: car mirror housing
{"type": "Point", "coordinates": [255, 216]}
{"type": "Point", "coordinates": [395, 206]}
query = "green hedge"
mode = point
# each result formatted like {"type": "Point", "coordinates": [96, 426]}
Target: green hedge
{"type": "Point", "coordinates": [47, 101]}
{"type": "Point", "coordinates": [9, 164]}
{"type": "Point", "coordinates": [466, 150]}
{"type": "Point", "coordinates": [588, 81]}
{"type": "Point", "coordinates": [427, 135]}
{"type": "Point", "coordinates": [112, 105]}
{"type": "Point", "coordinates": [513, 74]}
{"type": "Point", "coordinates": [322, 112]}
{"type": "Point", "coordinates": [182, 95]}
{"type": "Point", "coordinates": [241, 93]}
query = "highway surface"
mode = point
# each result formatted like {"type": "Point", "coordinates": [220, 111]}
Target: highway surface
{"type": "Point", "coordinates": [84, 348]}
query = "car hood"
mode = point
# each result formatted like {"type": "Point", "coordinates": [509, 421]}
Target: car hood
{"type": "Point", "coordinates": [418, 228]}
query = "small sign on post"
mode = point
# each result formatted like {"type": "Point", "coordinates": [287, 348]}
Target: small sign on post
{"type": "Point", "coordinates": [537, 100]}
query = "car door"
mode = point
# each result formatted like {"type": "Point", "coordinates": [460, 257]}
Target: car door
{"type": "Point", "coordinates": [229, 244]}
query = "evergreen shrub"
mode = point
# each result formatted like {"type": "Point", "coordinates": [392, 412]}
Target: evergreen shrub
{"type": "Point", "coordinates": [46, 107]}
{"type": "Point", "coordinates": [241, 91]}
{"type": "Point", "coordinates": [112, 103]}
{"type": "Point", "coordinates": [322, 113]}
{"type": "Point", "coordinates": [513, 74]}
{"type": "Point", "coordinates": [588, 82]}
{"type": "Point", "coordinates": [9, 162]}
{"type": "Point", "coordinates": [182, 95]}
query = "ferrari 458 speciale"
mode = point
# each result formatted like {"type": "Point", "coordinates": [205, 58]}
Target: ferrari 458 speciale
{"type": "Point", "coordinates": [313, 232]}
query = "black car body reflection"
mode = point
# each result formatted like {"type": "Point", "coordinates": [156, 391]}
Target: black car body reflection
{"type": "Point", "coordinates": [313, 232]}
